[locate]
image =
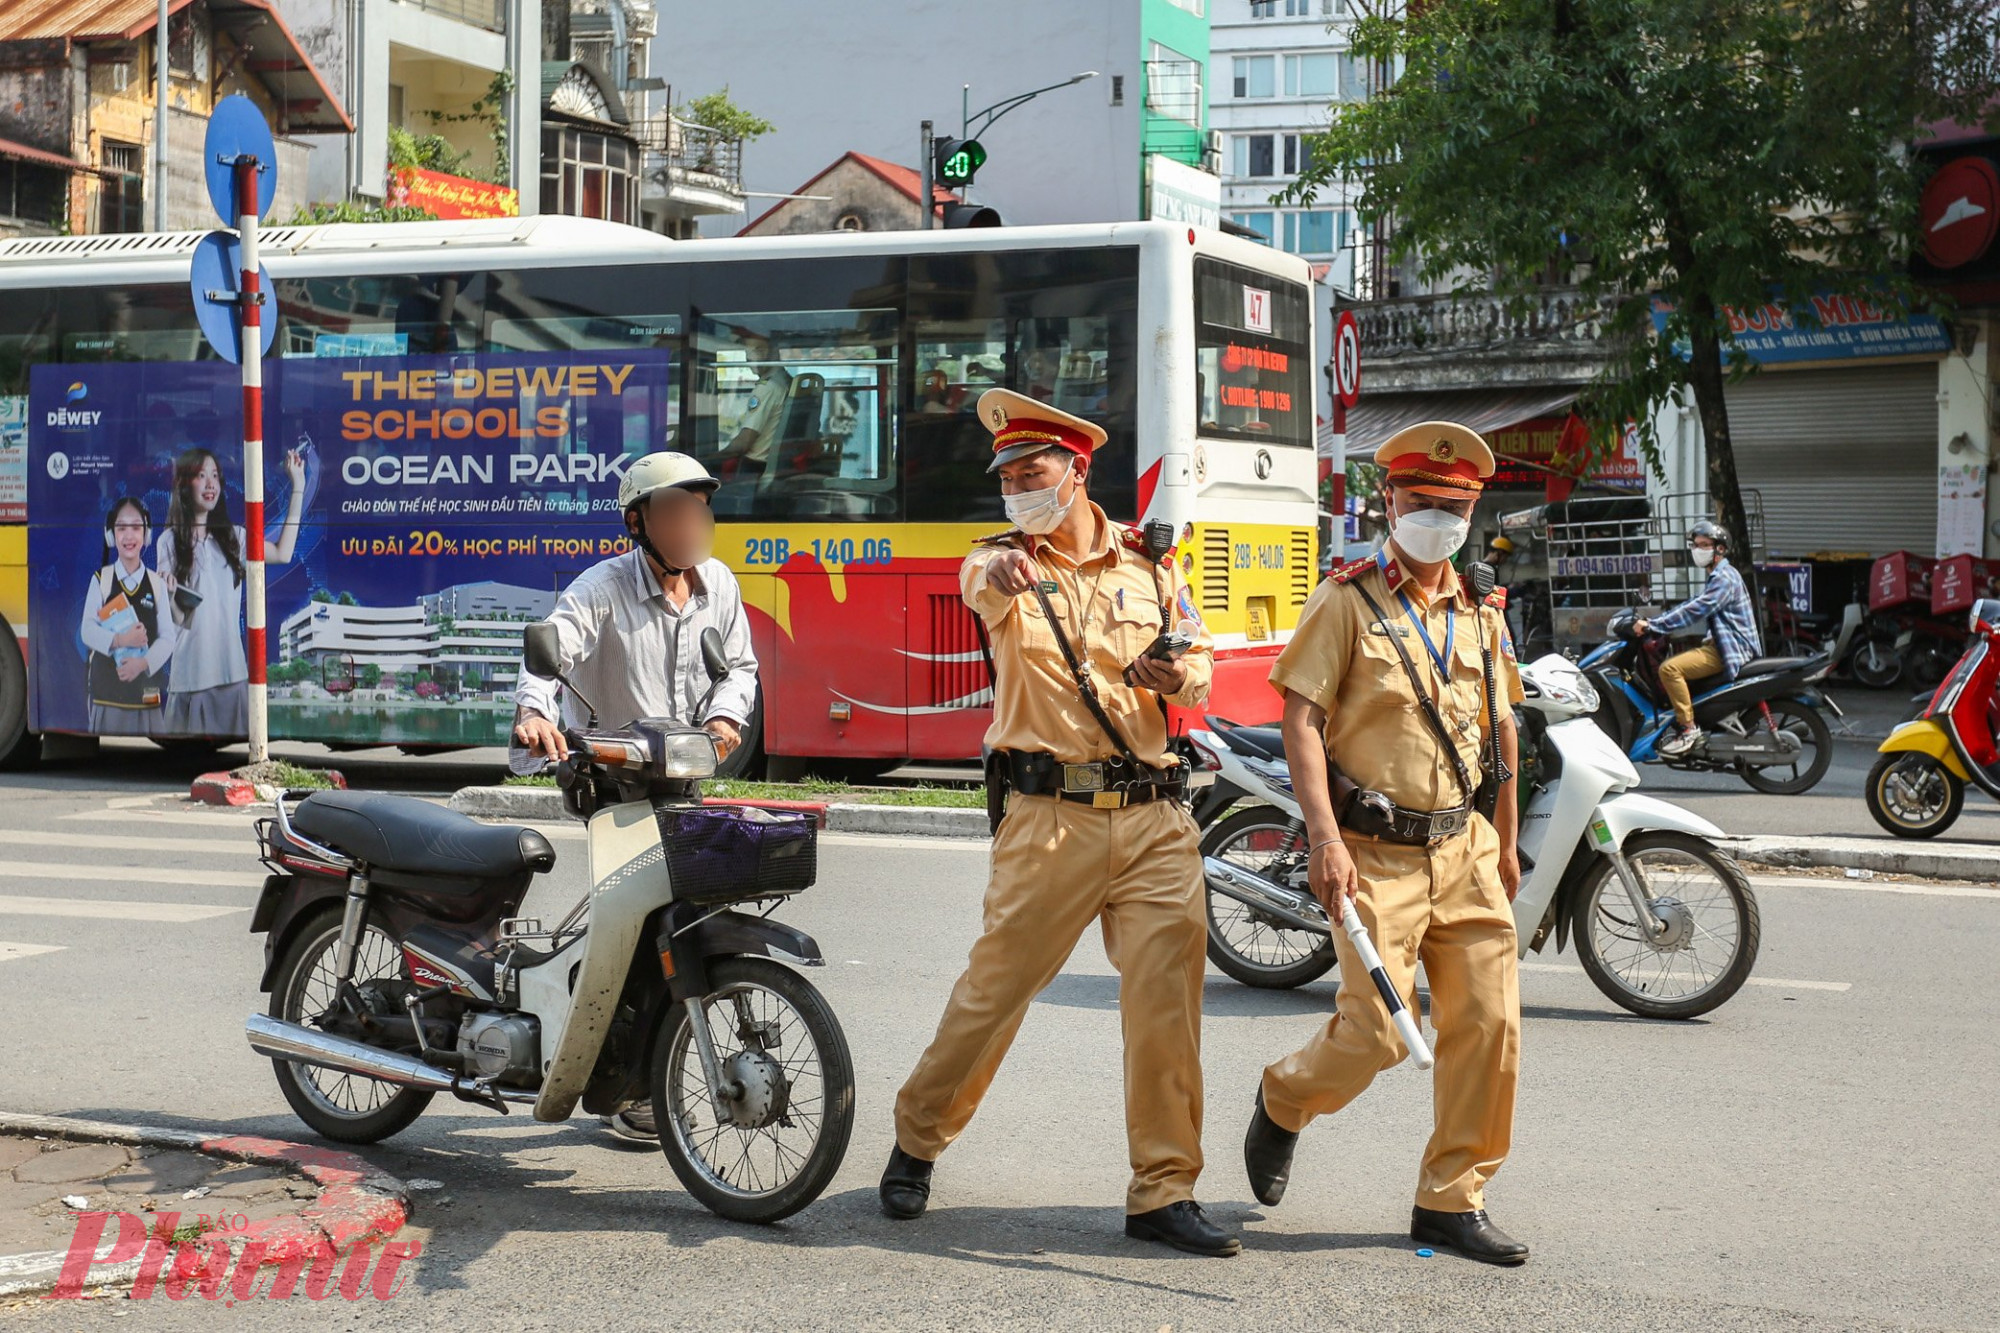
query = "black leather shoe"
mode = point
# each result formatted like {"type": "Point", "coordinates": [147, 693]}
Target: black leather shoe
{"type": "Point", "coordinates": [906, 1186]}
{"type": "Point", "coordinates": [1267, 1155]}
{"type": "Point", "coordinates": [1471, 1234]}
{"type": "Point", "coordinates": [1184, 1226]}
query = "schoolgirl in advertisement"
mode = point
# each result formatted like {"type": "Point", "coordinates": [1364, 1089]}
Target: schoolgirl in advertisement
{"type": "Point", "coordinates": [128, 628]}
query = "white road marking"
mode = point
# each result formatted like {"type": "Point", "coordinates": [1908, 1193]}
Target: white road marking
{"type": "Point", "coordinates": [11, 951]}
{"type": "Point", "coordinates": [111, 909]}
{"type": "Point", "coordinates": [215, 879]}
{"type": "Point", "coordinates": [239, 820]}
{"type": "Point", "coordinates": [1782, 983]}
{"type": "Point", "coordinates": [1874, 886]}
{"type": "Point", "coordinates": [112, 842]}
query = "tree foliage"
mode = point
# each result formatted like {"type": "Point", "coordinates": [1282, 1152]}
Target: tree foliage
{"type": "Point", "coordinates": [1715, 152]}
{"type": "Point", "coordinates": [716, 111]}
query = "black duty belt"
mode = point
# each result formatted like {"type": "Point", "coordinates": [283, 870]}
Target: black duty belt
{"type": "Point", "coordinates": [1377, 816]}
{"type": "Point", "coordinates": [1107, 784]}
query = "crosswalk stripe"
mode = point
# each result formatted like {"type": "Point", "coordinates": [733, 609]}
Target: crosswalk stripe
{"type": "Point", "coordinates": [10, 951]}
{"type": "Point", "coordinates": [215, 879]}
{"type": "Point", "coordinates": [113, 909]}
{"type": "Point", "coordinates": [1782, 983]}
{"type": "Point", "coordinates": [113, 842]}
{"type": "Point", "coordinates": [1874, 886]}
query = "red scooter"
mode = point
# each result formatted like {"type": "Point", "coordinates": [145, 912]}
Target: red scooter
{"type": "Point", "coordinates": [1917, 787]}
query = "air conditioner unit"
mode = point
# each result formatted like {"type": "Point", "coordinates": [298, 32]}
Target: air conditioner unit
{"type": "Point", "coordinates": [1211, 152]}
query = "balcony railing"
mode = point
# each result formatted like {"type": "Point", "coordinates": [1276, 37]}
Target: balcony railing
{"type": "Point", "coordinates": [692, 154]}
{"type": "Point", "coordinates": [1481, 322]}
{"type": "Point", "coordinates": [488, 14]}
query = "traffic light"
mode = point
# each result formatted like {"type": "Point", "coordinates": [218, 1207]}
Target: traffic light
{"type": "Point", "coordinates": [969, 215]}
{"type": "Point", "coordinates": [958, 161]}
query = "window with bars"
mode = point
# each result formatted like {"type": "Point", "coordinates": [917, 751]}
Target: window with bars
{"type": "Point", "coordinates": [121, 193]}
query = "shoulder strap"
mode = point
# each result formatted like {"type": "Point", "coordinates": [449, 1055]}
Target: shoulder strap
{"type": "Point", "coordinates": [1085, 690]}
{"type": "Point", "coordinates": [1424, 699]}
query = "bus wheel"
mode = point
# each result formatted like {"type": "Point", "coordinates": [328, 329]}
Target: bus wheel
{"type": "Point", "coordinates": [746, 761]}
{"type": "Point", "coordinates": [19, 747]}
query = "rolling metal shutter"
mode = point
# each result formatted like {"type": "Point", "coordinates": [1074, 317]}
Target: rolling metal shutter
{"type": "Point", "coordinates": [1846, 460]}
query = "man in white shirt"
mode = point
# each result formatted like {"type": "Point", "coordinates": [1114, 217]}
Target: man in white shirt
{"type": "Point", "coordinates": [764, 415]}
{"type": "Point", "coordinates": [630, 631]}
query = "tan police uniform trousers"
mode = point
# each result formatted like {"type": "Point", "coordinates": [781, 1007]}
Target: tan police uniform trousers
{"type": "Point", "coordinates": [1446, 907]}
{"type": "Point", "coordinates": [1058, 865]}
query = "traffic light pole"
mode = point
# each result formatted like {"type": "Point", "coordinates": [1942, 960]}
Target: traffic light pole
{"type": "Point", "coordinates": [924, 158]}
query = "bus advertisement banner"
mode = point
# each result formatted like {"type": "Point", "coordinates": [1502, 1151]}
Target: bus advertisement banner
{"type": "Point", "coordinates": [421, 511]}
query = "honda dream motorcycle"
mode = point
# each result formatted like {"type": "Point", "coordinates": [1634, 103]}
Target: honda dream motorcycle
{"type": "Point", "coordinates": [397, 968]}
{"type": "Point", "coordinates": [1666, 925]}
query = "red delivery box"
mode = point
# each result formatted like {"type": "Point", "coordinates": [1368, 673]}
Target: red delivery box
{"type": "Point", "coordinates": [1960, 581]}
{"type": "Point", "coordinates": [1899, 578]}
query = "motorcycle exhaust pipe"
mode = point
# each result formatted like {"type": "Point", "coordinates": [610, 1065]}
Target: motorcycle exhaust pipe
{"type": "Point", "coordinates": [1289, 907]}
{"type": "Point", "coordinates": [290, 1041]}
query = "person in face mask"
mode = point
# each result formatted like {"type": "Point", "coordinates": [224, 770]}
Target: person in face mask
{"type": "Point", "coordinates": [1093, 829]}
{"type": "Point", "coordinates": [1430, 876]}
{"type": "Point", "coordinates": [1732, 640]}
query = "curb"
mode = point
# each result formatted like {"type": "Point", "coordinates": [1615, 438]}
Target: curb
{"type": "Point", "coordinates": [545, 804]}
{"type": "Point", "coordinates": [1935, 860]}
{"type": "Point", "coordinates": [358, 1203]}
{"type": "Point", "coordinates": [226, 788]}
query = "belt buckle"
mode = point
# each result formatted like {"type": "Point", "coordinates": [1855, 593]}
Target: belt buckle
{"type": "Point", "coordinates": [1083, 777]}
{"type": "Point", "coordinates": [1447, 824]}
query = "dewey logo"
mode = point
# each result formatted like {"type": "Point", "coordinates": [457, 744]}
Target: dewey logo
{"type": "Point", "coordinates": [73, 419]}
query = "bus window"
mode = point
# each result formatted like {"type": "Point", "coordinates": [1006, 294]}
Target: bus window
{"type": "Point", "coordinates": [381, 315]}
{"type": "Point", "coordinates": [794, 410]}
{"type": "Point", "coordinates": [1251, 337]}
{"type": "Point", "coordinates": [141, 323]}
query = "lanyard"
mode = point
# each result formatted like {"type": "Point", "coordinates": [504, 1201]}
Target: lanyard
{"type": "Point", "coordinates": [1409, 612]}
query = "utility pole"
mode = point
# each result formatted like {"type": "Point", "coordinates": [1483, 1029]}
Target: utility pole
{"type": "Point", "coordinates": [924, 158]}
{"type": "Point", "coordinates": [160, 93]}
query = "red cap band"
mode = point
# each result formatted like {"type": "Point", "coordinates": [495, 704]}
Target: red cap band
{"type": "Point", "coordinates": [1423, 470]}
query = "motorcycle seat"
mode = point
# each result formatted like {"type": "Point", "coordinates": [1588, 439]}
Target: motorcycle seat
{"type": "Point", "coordinates": [1764, 666]}
{"type": "Point", "coordinates": [1264, 742]}
{"type": "Point", "coordinates": [418, 838]}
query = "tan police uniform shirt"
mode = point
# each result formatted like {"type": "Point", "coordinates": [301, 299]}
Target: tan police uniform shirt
{"type": "Point", "coordinates": [1109, 607]}
{"type": "Point", "coordinates": [1342, 660]}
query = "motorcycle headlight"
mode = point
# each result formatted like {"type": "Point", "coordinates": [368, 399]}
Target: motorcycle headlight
{"type": "Point", "coordinates": [687, 754]}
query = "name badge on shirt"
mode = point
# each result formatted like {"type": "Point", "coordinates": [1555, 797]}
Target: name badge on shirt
{"type": "Point", "coordinates": [1048, 585]}
{"type": "Point", "coordinates": [1377, 627]}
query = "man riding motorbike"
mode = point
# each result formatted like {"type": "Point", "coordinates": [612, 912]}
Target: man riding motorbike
{"type": "Point", "coordinates": [1724, 602]}
{"type": "Point", "coordinates": [630, 629]}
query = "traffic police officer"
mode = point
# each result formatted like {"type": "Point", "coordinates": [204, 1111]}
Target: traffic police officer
{"type": "Point", "coordinates": [1088, 833]}
{"type": "Point", "coordinates": [1431, 878]}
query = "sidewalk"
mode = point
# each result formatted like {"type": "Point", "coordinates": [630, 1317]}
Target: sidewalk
{"type": "Point", "coordinates": [60, 1177]}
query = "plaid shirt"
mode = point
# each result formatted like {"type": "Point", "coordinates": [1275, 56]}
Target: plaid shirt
{"type": "Point", "coordinates": [1725, 604]}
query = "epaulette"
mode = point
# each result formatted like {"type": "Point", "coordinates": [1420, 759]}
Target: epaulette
{"type": "Point", "coordinates": [1132, 539]}
{"type": "Point", "coordinates": [1497, 599]}
{"type": "Point", "coordinates": [1352, 570]}
{"type": "Point", "coordinates": [999, 538]}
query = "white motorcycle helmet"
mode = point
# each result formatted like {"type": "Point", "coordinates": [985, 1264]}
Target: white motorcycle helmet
{"type": "Point", "coordinates": [662, 471]}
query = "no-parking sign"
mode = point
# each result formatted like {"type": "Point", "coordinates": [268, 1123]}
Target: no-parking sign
{"type": "Point", "coordinates": [1346, 359]}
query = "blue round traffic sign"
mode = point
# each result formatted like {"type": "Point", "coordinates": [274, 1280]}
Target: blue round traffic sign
{"type": "Point", "coordinates": [218, 270]}
{"type": "Point", "coordinates": [236, 130]}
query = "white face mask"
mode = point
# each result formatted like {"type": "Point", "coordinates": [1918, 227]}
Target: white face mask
{"type": "Point", "coordinates": [1431, 535]}
{"type": "Point", "coordinates": [1703, 556]}
{"type": "Point", "coordinates": [1039, 512]}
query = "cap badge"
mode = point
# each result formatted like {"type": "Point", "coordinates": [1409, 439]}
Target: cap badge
{"type": "Point", "coordinates": [999, 415]}
{"type": "Point", "coordinates": [1443, 451]}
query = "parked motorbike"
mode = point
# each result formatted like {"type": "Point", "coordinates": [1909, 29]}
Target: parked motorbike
{"type": "Point", "coordinates": [1765, 726]}
{"type": "Point", "coordinates": [397, 967]}
{"type": "Point", "coordinates": [1666, 924]}
{"type": "Point", "coordinates": [1917, 788]}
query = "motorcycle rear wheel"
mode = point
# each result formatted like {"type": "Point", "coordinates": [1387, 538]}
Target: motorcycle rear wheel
{"type": "Point", "coordinates": [780, 1041]}
{"type": "Point", "coordinates": [1711, 902]}
{"type": "Point", "coordinates": [1240, 943]}
{"type": "Point", "coordinates": [346, 1108]}
{"type": "Point", "coordinates": [1876, 663]}
{"type": "Point", "coordinates": [1816, 748]}
{"type": "Point", "coordinates": [1913, 795]}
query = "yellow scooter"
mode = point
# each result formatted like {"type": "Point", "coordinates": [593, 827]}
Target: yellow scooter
{"type": "Point", "coordinates": [1917, 787]}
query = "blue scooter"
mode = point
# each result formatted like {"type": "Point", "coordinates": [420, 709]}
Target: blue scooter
{"type": "Point", "coordinates": [1766, 725]}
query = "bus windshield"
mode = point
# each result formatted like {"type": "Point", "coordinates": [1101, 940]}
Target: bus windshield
{"type": "Point", "coordinates": [1252, 342]}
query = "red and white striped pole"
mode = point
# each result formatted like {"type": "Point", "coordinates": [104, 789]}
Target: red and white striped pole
{"type": "Point", "coordinates": [253, 459]}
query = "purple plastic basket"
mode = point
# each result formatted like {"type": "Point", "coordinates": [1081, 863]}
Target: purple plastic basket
{"type": "Point", "coordinates": [731, 853]}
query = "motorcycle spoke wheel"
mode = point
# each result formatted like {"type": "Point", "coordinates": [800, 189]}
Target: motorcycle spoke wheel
{"type": "Point", "coordinates": [1244, 943]}
{"type": "Point", "coordinates": [1710, 943]}
{"type": "Point", "coordinates": [791, 1099]}
{"type": "Point", "coordinates": [1815, 755]}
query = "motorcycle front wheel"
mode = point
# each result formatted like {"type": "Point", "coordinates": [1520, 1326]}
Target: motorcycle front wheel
{"type": "Point", "coordinates": [790, 1098]}
{"type": "Point", "coordinates": [347, 1108]}
{"type": "Point", "coordinates": [1876, 663]}
{"type": "Point", "coordinates": [1815, 748]}
{"type": "Point", "coordinates": [1913, 795]}
{"type": "Point", "coordinates": [1710, 943]}
{"type": "Point", "coordinates": [1244, 943]}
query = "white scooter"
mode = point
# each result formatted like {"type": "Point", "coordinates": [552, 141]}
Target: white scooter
{"type": "Point", "coordinates": [1666, 924]}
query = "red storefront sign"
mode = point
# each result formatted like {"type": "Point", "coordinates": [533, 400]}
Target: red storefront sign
{"type": "Point", "coordinates": [451, 197]}
{"type": "Point", "coordinates": [1524, 452]}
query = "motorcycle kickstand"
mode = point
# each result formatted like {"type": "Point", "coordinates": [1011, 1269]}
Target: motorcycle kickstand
{"type": "Point", "coordinates": [719, 1095]}
{"type": "Point", "coordinates": [1656, 925]}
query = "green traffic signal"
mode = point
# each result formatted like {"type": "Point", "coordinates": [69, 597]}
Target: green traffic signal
{"type": "Point", "coordinates": [959, 160]}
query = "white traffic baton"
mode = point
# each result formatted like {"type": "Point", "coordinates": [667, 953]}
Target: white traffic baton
{"type": "Point", "coordinates": [1399, 1013]}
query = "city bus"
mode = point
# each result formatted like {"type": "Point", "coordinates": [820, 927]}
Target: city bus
{"type": "Point", "coordinates": [450, 406]}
